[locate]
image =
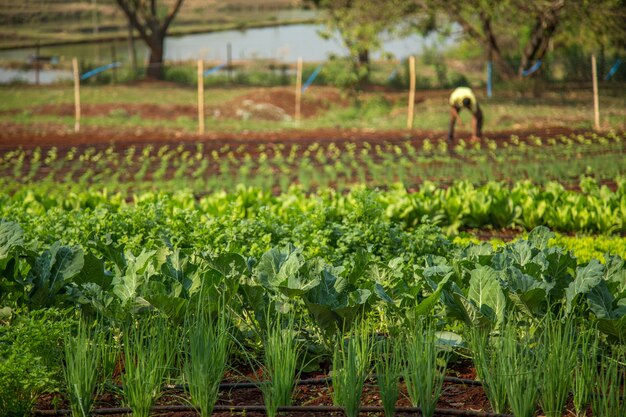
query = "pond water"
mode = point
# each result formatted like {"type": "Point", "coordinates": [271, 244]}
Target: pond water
{"type": "Point", "coordinates": [282, 43]}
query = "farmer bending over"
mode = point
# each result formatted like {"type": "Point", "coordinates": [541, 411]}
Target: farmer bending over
{"type": "Point", "coordinates": [464, 97]}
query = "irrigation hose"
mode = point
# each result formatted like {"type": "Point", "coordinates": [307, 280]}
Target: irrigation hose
{"type": "Point", "coordinates": [261, 408]}
{"type": "Point", "coordinates": [322, 381]}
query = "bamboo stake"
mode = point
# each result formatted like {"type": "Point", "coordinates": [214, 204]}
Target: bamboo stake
{"type": "Point", "coordinates": [596, 102]}
{"type": "Point", "coordinates": [200, 97]}
{"type": "Point", "coordinates": [76, 95]}
{"type": "Point", "coordinates": [411, 112]}
{"type": "Point", "coordinates": [298, 90]}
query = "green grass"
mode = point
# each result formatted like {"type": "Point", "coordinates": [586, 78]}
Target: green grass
{"type": "Point", "coordinates": [423, 371]}
{"type": "Point", "coordinates": [559, 360]}
{"type": "Point", "coordinates": [208, 350]}
{"type": "Point", "coordinates": [280, 362]}
{"type": "Point", "coordinates": [351, 366]}
{"type": "Point", "coordinates": [82, 357]}
{"type": "Point", "coordinates": [388, 368]}
{"type": "Point", "coordinates": [375, 110]}
{"type": "Point", "coordinates": [486, 356]}
{"type": "Point", "coordinates": [148, 353]}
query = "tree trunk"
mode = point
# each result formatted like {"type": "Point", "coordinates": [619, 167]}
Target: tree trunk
{"type": "Point", "coordinates": [152, 28]}
{"type": "Point", "coordinates": [364, 57]}
{"type": "Point", "coordinates": [363, 67]}
{"type": "Point", "coordinates": [155, 63]}
{"type": "Point", "coordinates": [493, 50]}
{"type": "Point", "coordinates": [543, 31]}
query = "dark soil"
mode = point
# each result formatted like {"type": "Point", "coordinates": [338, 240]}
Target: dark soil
{"type": "Point", "coordinates": [15, 135]}
{"type": "Point", "coordinates": [454, 396]}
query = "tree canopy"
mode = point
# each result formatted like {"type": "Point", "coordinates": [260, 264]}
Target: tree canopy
{"type": "Point", "coordinates": [517, 33]}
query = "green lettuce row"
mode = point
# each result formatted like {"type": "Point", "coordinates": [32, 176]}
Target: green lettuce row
{"type": "Point", "coordinates": [477, 285]}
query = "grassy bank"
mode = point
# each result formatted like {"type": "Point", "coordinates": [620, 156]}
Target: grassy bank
{"type": "Point", "coordinates": [73, 22]}
{"type": "Point", "coordinates": [238, 108]}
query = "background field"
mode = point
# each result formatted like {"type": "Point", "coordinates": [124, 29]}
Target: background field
{"type": "Point", "coordinates": [37, 21]}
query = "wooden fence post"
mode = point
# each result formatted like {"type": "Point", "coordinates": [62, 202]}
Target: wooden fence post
{"type": "Point", "coordinates": [411, 112]}
{"type": "Point", "coordinates": [200, 97]}
{"type": "Point", "coordinates": [298, 90]}
{"type": "Point", "coordinates": [76, 95]}
{"type": "Point", "coordinates": [596, 102]}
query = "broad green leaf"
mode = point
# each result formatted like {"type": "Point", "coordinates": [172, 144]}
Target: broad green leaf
{"type": "Point", "coordinates": [600, 301]}
{"type": "Point", "coordinates": [256, 299]}
{"type": "Point", "coordinates": [360, 263]}
{"type": "Point", "coordinates": [587, 277]}
{"type": "Point", "coordinates": [326, 292]}
{"type": "Point", "coordinates": [472, 315]}
{"type": "Point", "coordinates": [229, 264]}
{"type": "Point", "coordinates": [6, 313]}
{"type": "Point", "coordinates": [141, 263]}
{"type": "Point", "coordinates": [521, 252]}
{"type": "Point", "coordinates": [477, 251]}
{"type": "Point", "coordinates": [11, 236]}
{"type": "Point", "coordinates": [532, 302]}
{"type": "Point", "coordinates": [173, 307]}
{"type": "Point", "coordinates": [614, 327]}
{"type": "Point", "coordinates": [325, 318]}
{"type": "Point", "coordinates": [486, 293]}
{"type": "Point", "coordinates": [427, 304]}
{"type": "Point", "coordinates": [358, 297]}
{"type": "Point", "coordinates": [615, 274]}
{"type": "Point", "coordinates": [382, 294]}
{"type": "Point", "coordinates": [305, 279]}
{"type": "Point", "coordinates": [438, 272]}
{"type": "Point", "coordinates": [355, 304]}
{"type": "Point", "coordinates": [51, 272]}
{"type": "Point", "coordinates": [112, 252]}
{"type": "Point", "coordinates": [540, 236]}
{"type": "Point", "coordinates": [93, 271]}
{"type": "Point", "coordinates": [527, 293]}
{"type": "Point", "coordinates": [277, 265]}
{"type": "Point", "coordinates": [559, 271]}
{"type": "Point", "coordinates": [454, 308]}
{"type": "Point", "coordinates": [448, 340]}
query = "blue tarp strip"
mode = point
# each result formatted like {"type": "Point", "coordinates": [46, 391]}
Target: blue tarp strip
{"type": "Point", "coordinates": [489, 79]}
{"type": "Point", "coordinates": [613, 69]}
{"type": "Point", "coordinates": [99, 70]}
{"type": "Point", "coordinates": [311, 78]}
{"type": "Point", "coordinates": [214, 69]}
{"type": "Point", "coordinates": [532, 69]}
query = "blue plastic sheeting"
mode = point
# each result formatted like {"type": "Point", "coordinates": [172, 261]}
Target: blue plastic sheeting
{"type": "Point", "coordinates": [489, 79]}
{"type": "Point", "coordinates": [99, 70]}
{"type": "Point", "coordinates": [214, 69]}
{"type": "Point", "coordinates": [311, 78]}
{"type": "Point", "coordinates": [532, 69]}
{"type": "Point", "coordinates": [613, 69]}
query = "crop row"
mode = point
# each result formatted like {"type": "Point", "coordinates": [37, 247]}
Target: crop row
{"type": "Point", "coordinates": [562, 364]}
{"type": "Point", "coordinates": [476, 293]}
{"type": "Point", "coordinates": [476, 284]}
{"type": "Point", "coordinates": [252, 220]}
{"type": "Point", "coordinates": [206, 166]}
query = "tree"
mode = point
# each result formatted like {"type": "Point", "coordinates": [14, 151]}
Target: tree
{"type": "Point", "coordinates": [360, 24]}
{"type": "Point", "coordinates": [152, 22]}
{"type": "Point", "coordinates": [522, 31]}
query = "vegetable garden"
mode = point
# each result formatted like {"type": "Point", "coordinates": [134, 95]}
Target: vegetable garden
{"type": "Point", "coordinates": [315, 278]}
